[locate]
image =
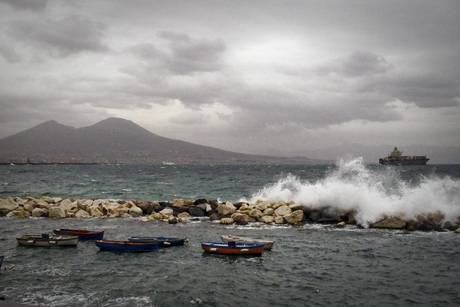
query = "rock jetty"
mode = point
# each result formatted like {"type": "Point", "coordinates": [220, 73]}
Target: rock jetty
{"type": "Point", "coordinates": [227, 213]}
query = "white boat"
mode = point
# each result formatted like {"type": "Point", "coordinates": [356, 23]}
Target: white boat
{"type": "Point", "coordinates": [267, 243]}
{"type": "Point", "coordinates": [45, 240]}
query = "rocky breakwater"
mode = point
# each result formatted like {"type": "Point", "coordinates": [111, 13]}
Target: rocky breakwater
{"type": "Point", "coordinates": [227, 213]}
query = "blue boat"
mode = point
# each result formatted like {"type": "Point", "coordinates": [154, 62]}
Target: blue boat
{"type": "Point", "coordinates": [164, 241]}
{"type": "Point", "coordinates": [127, 246]}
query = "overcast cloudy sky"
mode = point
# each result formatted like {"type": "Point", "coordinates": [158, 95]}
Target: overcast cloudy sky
{"type": "Point", "coordinates": [269, 77]}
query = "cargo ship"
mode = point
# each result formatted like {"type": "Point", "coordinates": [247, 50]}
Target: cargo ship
{"type": "Point", "coordinates": [396, 158]}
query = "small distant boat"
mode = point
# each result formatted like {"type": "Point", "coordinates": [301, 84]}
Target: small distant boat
{"type": "Point", "coordinates": [164, 241]}
{"type": "Point", "coordinates": [168, 163]}
{"type": "Point", "coordinates": [233, 248]}
{"type": "Point", "coordinates": [267, 243]}
{"type": "Point", "coordinates": [82, 234]}
{"type": "Point", "coordinates": [127, 246]}
{"type": "Point", "coordinates": [46, 240]}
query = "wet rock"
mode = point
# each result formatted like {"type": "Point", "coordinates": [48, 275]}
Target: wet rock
{"type": "Point", "coordinates": [56, 212]}
{"type": "Point", "coordinates": [156, 216]}
{"type": "Point", "coordinates": [213, 203]}
{"type": "Point", "coordinates": [29, 206]}
{"type": "Point", "coordinates": [277, 205]}
{"type": "Point", "coordinates": [458, 230]}
{"type": "Point", "coordinates": [269, 211]}
{"type": "Point", "coordinates": [279, 220]}
{"type": "Point", "coordinates": [331, 215]}
{"type": "Point", "coordinates": [255, 213]}
{"type": "Point", "coordinates": [180, 203]}
{"type": "Point", "coordinates": [283, 210]}
{"type": "Point", "coordinates": [392, 222]}
{"type": "Point", "coordinates": [84, 204]}
{"type": "Point", "coordinates": [135, 211]}
{"type": "Point", "coordinates": [295, 217]}
{"type": "Point", "coordinates": [184, 215]}
{"type": "Point", "coordinates": [267, 219]}
{"type": "Point", "coordinates": [196, 211]}
{"type": "Point", "coordinates": [69, 206]}
{"type": "Point", "coordinates": [411, 225]}
{"type": "Point", "coordinates": [167, 212]}
{"type": "Point", "coordinates": [239, 204]}
{"type": "Point", "coordinates": [39, 212]}
{"type": "Point", "coordinates": [172, 220]}
{"type": "Point", "coordinates": [314, 215]}
{"type": "Point", "coordinates": [340, 225]}
{"type": "Point", "coordinates": [82, 214]}
{"type": "Point", "coordinates": [226, 209]}
{"type": "Point", "coordinates": [429, 222]}
{"type": "Point", "coordinates": [262, 205]}
{"type": "Point", "coordinates": [94, 211]}
{"type": "Point", "coordinates": [199, 201]}
{"type": "Point", "coordinates": [450, 226]}
{"type": "Point", "coordinates": [7, 205]}
{"type": "Point", "coordinates": [214, 217]}
{"type": "Point", "coordinates": [205, 206]}
{"type": "Point", "coordinates": [295, 207]}
{"type": "Point", "coordinates": [240, 218]}
{"type": "Point", "coordinates": [244, 207]}
{"type": "Point", "coordinates": [148, 207]}
{"type": "Point", "coordinates": [19, 213]}
{"type": "Point", "coordinates": [226, 221]}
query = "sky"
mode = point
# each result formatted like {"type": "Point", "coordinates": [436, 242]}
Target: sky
{"type": "Point", "coordinates": [290, 78]}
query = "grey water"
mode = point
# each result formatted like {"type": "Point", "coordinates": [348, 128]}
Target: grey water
{"type": "Point", "coordinates": [310, 265]}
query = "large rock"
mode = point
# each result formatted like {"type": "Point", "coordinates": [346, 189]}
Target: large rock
{"type": "Point", "coordinates": [458, 230]}
{"type": "Point", "coordinates": [180, 203]}
{"type": "Point", "coordinates": [295, 217]}
{"type": "Point", "coordinates": [295, 206]}
{"type": "Point", "coordinates": [172, 220]}
{"type": "Point", "coordinates": [267, 219]}
{"type": "Point", "coordinates": [135, 211]}
{"type": "Point", "coordinates": [57, 212]}
{"type": "Point", "coordinates": [69, 206]}
{"type": "Point", "coordinates": [43, 203]}
{"type": "Point", "coordinates": [269, 211]}
{"type": "Point", "coordinates": [205, 207]}
{"type": "Point", "coordinates": [226, 209]}
{"type": "Point", "coordinates": [82, 214]}
{"type": "Point", "coordinates": [279, 220]}
{"type": "Point", "coordinates": [450, 226]}
{"type": "Point", "coordinates": [148, 207]}
{"type": "Point", "coordinates": [7, 205]}
{"type": "Point", "coordinates": [19, 213]}
{"type": "Point", "coordinates": [262, 205]}
{"type": "Point", "coordinates": [167, 212]}
{"type": "Point", "coordinates": [255, 213]}
{"type": "Point", "coordinates": [283, 210]}
{"type": "Point", "coordinates": [244, 207]}
{"type": "Point", "coordinates": [94, 211]}
{"type": "Point", "coordinates": [240, 218]}
{"type": "Point", "coordinates": [200, 201]}
{"type": "Point", "coordinates": [184, 215]}
{"type": "Point", "coordinates": [40, 212]}
{"type": "Point", "coordinates": [430, 222]}
{"type": "Point", "coordinates": [156, 216]}
{"type": "Point", "coordinates": [226, 221]}
{"type": "Point", "coordinates": [390, 223]}
{"type": "Point", "coordinates": [196, 211]}
{"type": "Point", "coordinates": [29, 206]}
{"type": "Point", "coordinates": [84, 204]}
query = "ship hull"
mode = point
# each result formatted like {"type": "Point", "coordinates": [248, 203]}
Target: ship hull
{"type": "Point", "coordinates": [404, 162]}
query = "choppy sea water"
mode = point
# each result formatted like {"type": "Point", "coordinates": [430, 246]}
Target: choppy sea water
{"type": "Point", "coordinates": [311, 265]}
{"type": "Point", "coordinates": [308, 266]}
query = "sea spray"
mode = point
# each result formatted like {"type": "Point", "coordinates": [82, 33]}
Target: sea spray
{"type": "Point", "coordinates": [372, 194]}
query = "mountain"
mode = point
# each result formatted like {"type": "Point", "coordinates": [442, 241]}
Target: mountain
{"type": "Point", "coordinates": [116, 140]}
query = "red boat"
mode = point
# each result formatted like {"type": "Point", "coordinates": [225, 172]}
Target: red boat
{"type": "Point", "coordinates": [232, 248]}
{"type": "Point", "coordinates": [82, 234]}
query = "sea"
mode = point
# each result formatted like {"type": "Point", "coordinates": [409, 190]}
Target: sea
{"type": "Point", "coordinates": [310, 265]}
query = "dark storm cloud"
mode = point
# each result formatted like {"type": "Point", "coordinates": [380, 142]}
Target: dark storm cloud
{"type": "Point", "coordinates": [357, 64]}
{"type": "Point", "coordinates": [61, 37]}
{"type": "Point", "coordinates": [26, 4]}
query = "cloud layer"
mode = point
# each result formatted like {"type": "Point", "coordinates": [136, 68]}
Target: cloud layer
{"type": "Point", "coordinates": [257, 77]}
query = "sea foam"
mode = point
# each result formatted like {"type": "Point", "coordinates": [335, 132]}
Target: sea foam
{"type": "Point", "coordinates": [373, 194]}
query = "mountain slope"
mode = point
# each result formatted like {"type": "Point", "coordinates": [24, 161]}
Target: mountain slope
{"type": "Point", "coordinates": [114, 140]}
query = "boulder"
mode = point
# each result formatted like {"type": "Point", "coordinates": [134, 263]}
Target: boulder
{"type": "Point", "coordinates": [56, 212]}
{"type": "Point", "coordinates": [262, 205]}
{"type": "Point", "coordinates": [458, 230]}
{"type": "Point", "coordinates": [172, 220]}
{"type": "Point", "coordinates": [148, 207]}
{"type": "Point", "coordinates": [180, 203]}
{"type": "Point", "coordinates": [82, 214]}
{"type": "Point", "coordinates": [340, 225]}
{"type": "Point", "coordinates": [196, 211]}
{"type": "Point", "coordinates": [156, 216]}
{"type": "Point", "coordinates": [255, 213]}
{"type": "Point", "coordinates": [135, 211]}
{"type": "Point", "coordinates": [19, 213]}
{"type": "Point", "coordinates": [213, 203]}
{"type": "Point", "coordinates": [279, 220]}
{"type": "Point", "coordinates": [7, 205]}
{"type": "Point", "coordinates": [167, 212]}
{"type": "Point", "coordinates": [214, 217]}
{"type": "Point", "coordinates": [269, 211]}
{"type": "Point", "coordinates": [84, 204]}
{"type": "Point", "coordinates": [244, 207]}
{"type": "Point", "coordinates": [267, 219]}
{"type": "Point", "coordinates": [226, 209]}
{"type": "Point", "coordinates": [69, 206]}
{"type": "Point", "coordinates": [295, 217]}
{"type": "Point", "coordinates": [42, 203]}
{"type": "Point", "coordinates": [40, 212]}
{"type": "Point", "coordinates": [200, 201]}
{"type": "Point", "coordinates": [295, 206]}
{"type": "Point", "coordinates": [277, 205]}
{"type": "Point", "coordinates": [65, 202]}
{"type": "Point", "coordinates": [240, 218]}
{"type": "Point", "coordinates": [283, 210]}
{"type": "Point", "coordinates": [205, 206]}
{"type": "Point", "coordinates": [450, 226]}
{"type": "Point", "coordinates": [390, 223]}
{"type": "Point", "coordinates": [226, 221]}
{"type": "Point", "coordinates": [430, 221]}
{"type": "Point", "coordinates": [239, 204]}
{"type": "Point", "coordinates": [29, 206]}
{"type": "Point", "coordinates": [94, 211]}
{"type": "Point", "coordinates": [184, 215]}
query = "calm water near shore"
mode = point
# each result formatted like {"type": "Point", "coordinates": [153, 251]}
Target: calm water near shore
{"type": "Point", "coordinates": [311, 265]}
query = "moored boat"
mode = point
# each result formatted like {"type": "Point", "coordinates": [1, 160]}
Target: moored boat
{"type": "Point", "coordinates": [164, 241]}
{"type": "Point", "coordinates": [233, 248]}
{"type": "Point", "coordinates": [82, 234]}
{"type": "Point", "coordinates": [127, 246]}
{"type": "Point", "coordinates": [230, 238]}
{"type": "Point", "coordinates": [46, 240]}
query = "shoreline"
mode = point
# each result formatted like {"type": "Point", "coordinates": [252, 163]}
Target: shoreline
{"type": "Point", "coordinates": [227, 213]}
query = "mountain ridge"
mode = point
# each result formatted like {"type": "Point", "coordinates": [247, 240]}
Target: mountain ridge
{"type": "Point", "coordinates": [117, 140]}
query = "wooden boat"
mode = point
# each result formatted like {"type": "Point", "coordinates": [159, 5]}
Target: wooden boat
{"type": "Point", "coordinates": [127, 246]}
{"type": "Point", "coordinates": [164, 241]}
{"type": "Point", "coordinates": [233, 248]}
{"type": "Point", "coordinates": [82, 234]}
{"type": "Point", "coordinates": [230, 238]}
{"type": "Point", "coordinates": [46, 240]}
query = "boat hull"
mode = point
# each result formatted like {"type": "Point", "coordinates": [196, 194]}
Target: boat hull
{"type": "Point", "coordinates": [39, 241]}
{"type": "Point", "coordinates": [127, 246]}
{"type": "Point", "coordinates": [267, 243]}
{"type": "Point", "coordinates": [83, 235]}
{"type": "Point", "coordinates": [235, 249]}
{"type": "Point", "coordinates": [164, 241]}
